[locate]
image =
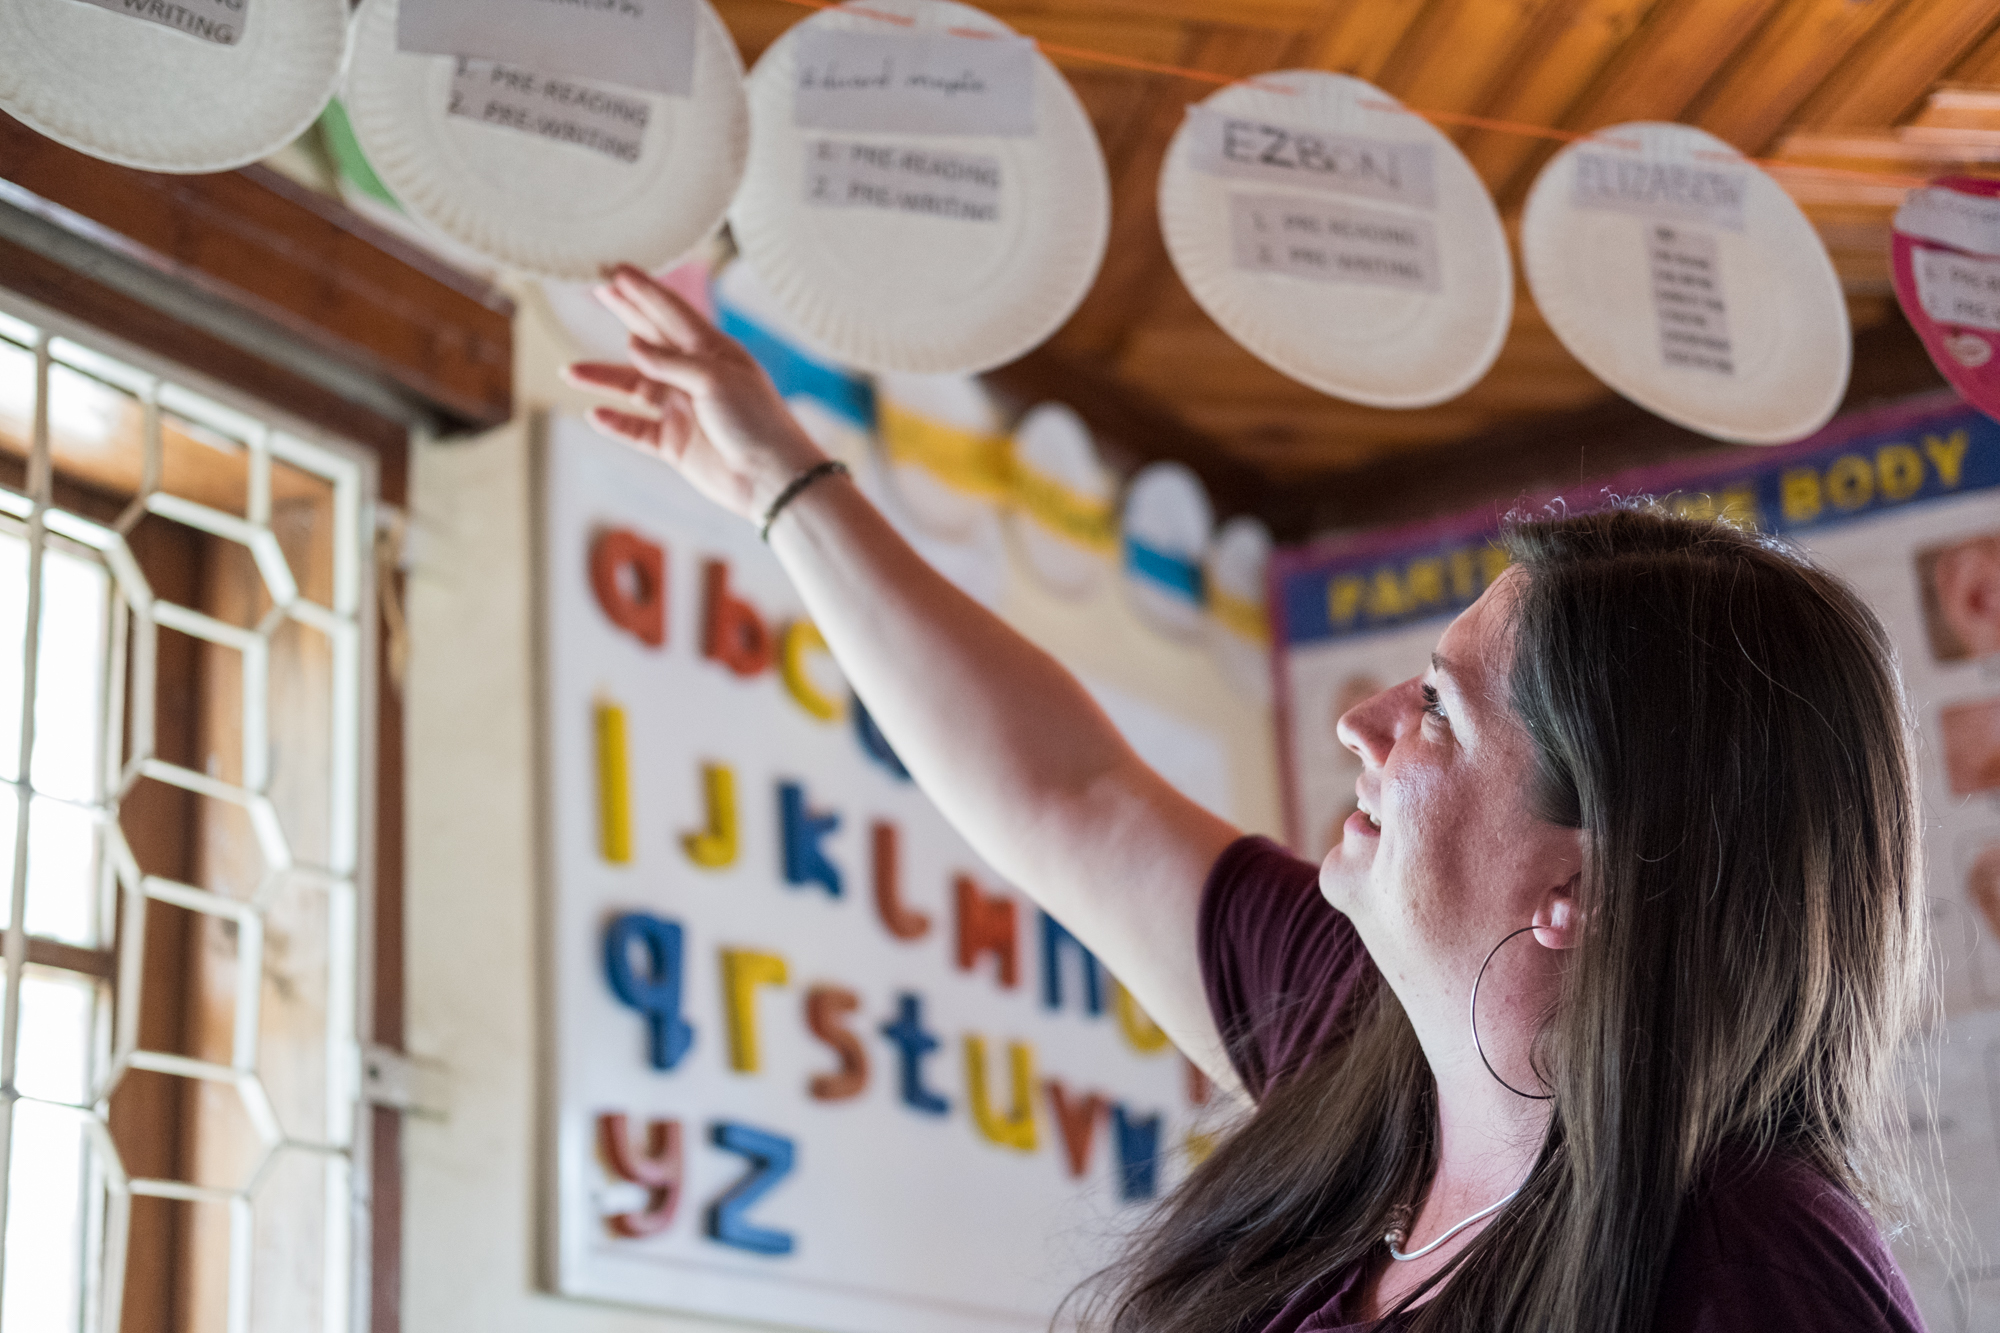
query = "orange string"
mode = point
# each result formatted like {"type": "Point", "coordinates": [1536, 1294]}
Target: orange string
{"type": "Point", "coordinates": [1437, 117]}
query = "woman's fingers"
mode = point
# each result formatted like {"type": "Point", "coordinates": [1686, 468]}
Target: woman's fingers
{"type": "Point", "coordinates": [627, 426]}
{"type": "Point", "coordinates": [634, 319]}
{"type": "Point", "coordinates": [607, 377]}
{"type": "Point", "coordinates": [674, 317]}
{"type": "Point", "coordinates": [689, 373]}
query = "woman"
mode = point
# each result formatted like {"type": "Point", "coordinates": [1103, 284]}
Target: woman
{"type": "Point", "coordinates": [1648, 820]}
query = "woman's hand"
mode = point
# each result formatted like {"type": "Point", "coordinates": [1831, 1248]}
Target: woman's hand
{"type": "Point", "coordinates": [719, 419]}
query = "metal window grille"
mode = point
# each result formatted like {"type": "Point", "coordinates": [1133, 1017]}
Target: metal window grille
{"type": "Point", "coordinates": [298, 1152]}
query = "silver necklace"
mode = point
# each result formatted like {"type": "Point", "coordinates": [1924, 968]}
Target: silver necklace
{"type": "Point", "coordinates": [1396, 1234]}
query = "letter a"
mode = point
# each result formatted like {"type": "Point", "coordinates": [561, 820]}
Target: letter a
{"type": "Point", "coordinates": [629, 576]}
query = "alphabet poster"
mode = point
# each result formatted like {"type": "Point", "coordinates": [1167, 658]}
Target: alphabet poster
{"type": "Point", "coordinates": [1904, 503]}
{"type": "Point", "coordinates": [810, 1062]}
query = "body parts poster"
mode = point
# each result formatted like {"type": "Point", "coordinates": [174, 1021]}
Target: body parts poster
{"type": "Point", "coordinates": [811, 1062]}
{"type": "Point", "coordinates": [1904, 504]}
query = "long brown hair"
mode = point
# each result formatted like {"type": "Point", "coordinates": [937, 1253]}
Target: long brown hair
{"type": "Point", "coordinates": [1725, 721]}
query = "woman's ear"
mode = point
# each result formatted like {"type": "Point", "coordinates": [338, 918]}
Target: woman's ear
{"type": "Point", "coordinates": [1557, 922]}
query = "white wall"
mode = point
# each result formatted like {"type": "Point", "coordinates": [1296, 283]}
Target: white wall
{"type": "Point", "coordinates": [471, 1178]}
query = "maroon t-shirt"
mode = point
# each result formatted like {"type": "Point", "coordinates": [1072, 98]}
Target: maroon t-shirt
{"type": "Point", "coordinates": [1770, 1247]}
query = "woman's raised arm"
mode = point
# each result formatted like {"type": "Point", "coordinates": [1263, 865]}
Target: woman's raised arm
{"type": "Point", "coordinates": [1007, 744]}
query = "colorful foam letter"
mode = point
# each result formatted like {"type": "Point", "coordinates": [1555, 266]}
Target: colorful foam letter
{"type": "Point", "coordinates": [902, 922]}
{"type": "Point", "coordinates": [986, 925]}
{"type": "Point", "coordinates": [802, 637]}
{"type": "Point", "coordinates": [743, 971]}
{"type": "Point", "coordinates": [656, 992]}
{"type": "Point", "coordinates": [629, 576]}
{"type": "Point", "coordinates": [1199, 1147]}
{"type": "Point", "coordinates": [1076, 1123]}
{"type": "Point", "coordinates": [913, 1044]}
{"type": "Point", "coordinates": [1138, 1154]}
{"type": "Point", "coordinates": [805, 862]}
{"type": "Point", "coordinates": [715, 846]}
{"type": "Point", "coordinates": [825, 1006]}
{"type": "Point", "coordinates": [873, 743]}
{"type": "Point", "coordinates": [658, 1169]}
{"type": "Point", "coordinates": [614, 787]}
{"type": "Point", "coordinates": [1141, 1032]}
{"type": "Point", "coordinates": [1016, 1129]}
{"type": "Point", "coordinates": [771, 1159]}
{"type": "Point", "coordinates": [732, 632]}
{"type": "Point", "coordinates": [1054, 936]}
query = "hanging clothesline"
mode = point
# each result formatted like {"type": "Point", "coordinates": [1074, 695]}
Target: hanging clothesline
{"type": "Point", "coordinates": [1436, 117]}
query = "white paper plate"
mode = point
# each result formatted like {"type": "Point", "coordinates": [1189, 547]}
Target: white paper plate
{"type": "Point", "coordinates": [1773, 368]}
{"type": "Point", "coordinates": [537, 205]}
{"type": "Point", "coordinates": [1238, 631]}
{"type": "Point", "coordinates": [145, 95]}
{"type": "Point", "coordinates": [894, 291]}
{"type": "Point", "coordinates": [1052, 444]}
{"type": "Point", "coordinates": [1363, 340]}
{"type": "Point", "coordinates": [1167, 522]}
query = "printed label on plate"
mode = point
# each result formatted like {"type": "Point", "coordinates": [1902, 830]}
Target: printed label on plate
{"type": "Point", "coordinates": [1250, 149]}
{"type": "Point", "coordinates": [603, 120]}
{"type": "Point", "coordinates": [1687, 299]}
{"type": "Point", "coordinates": [913, 83]}
{"type": "Point", "coordinates": [1330, 242]}
{"type": "Point", "coordinates": [1957, 289]}
{"type": "Point", "coordinates": [1962, 221]}
{"type": "Point", "coordinates": [217, 21]}
{"type": "Point", "coordinates": [639, 43]}
{"type": "Point", "coordinates": [904, 179]}
{"type": "Point", "coordinates": [1655, 189]}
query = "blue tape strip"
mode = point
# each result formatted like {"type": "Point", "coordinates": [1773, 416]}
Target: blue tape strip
{"type": "Point", "coordinates": [798, 375]}
{"type": "Point", "coordinates": [1181, 577]}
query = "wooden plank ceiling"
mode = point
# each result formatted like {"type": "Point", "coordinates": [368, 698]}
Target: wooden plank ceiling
{"type": "Point", "coordinates": [1896, 87]}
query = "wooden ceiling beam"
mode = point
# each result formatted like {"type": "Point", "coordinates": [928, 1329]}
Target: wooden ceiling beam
{"type": "Point", "coordinates": [1791, 56]}
{"type": "Point", "coordinates": [1362, 35]}
{"type": "Point", "coordinates": [1903, 58]}
{"type": "Point", "coordinates": [1485, 40]}
{"type": "Point", "coordinates": [1678, 49]}
{"type": "Point", "coordinates": [1569, 55]}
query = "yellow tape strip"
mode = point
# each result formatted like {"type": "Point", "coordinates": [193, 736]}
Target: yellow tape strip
{"type": "Point", "coordinates": [1240, 615]}
{"type": "Point", "coordinates": [965, 460]}
{"type": "Point", "coordinates": [1070, 514]}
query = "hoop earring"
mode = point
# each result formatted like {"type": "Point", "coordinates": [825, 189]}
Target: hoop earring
{"type": "Point", "coordinates": [1531, 1096]}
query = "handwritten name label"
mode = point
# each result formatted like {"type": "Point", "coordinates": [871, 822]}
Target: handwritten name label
{"type": "Point", "coordinates": [216, 21]}
{"type": "Point", "coordinates": [1332, 242]}
{"type": "Point", "coordinates": [1655, 189]}
{"type": "Point", "coordinates": [903, 179]}
{"type": "Point", "coordinates": [913, 83]}
{"type": "Point", "coordinates": [1687, 299]}
{"type": "Point", "coordinates": [1962, 221]}
{"type": "Point", "coordinates": [585, 115]}
{"type": "Point", "coordinates": [1226, 145]}
{"type": "Point", "coordinates": [1958, 289]}
{"type": "Point", "coordinates": [639, 43]}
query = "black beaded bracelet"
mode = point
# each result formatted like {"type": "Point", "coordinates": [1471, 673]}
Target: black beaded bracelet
{"type": "Point", "coordinates": [793, 489]}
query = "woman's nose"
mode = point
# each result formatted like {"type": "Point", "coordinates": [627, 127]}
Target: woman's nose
{"type": "Point", "coordinates": [1369, 728]}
